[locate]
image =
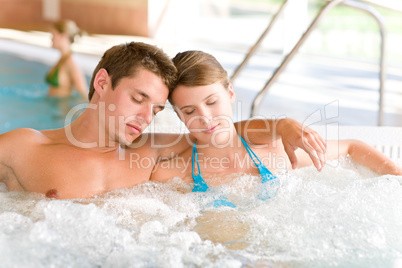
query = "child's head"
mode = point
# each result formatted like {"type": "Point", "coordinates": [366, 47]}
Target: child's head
{"type": "Point", "coordinates": [125, 60]}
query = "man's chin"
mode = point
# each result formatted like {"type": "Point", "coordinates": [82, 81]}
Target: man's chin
{"type": "Point", "coordinates": [128, 139]}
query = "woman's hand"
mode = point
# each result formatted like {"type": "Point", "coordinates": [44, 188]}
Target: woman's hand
{"type": "Point", "coordinates": [295, 135]}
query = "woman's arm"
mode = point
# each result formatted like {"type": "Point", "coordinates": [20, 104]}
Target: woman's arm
{"type": "Point", "coordinates": [78, 79]}
{"type": "Point", "coordinates": [294, 135]}
{"type": "Point", "coordinates": [360, 152]}
{"type": "Point", "coordinates": [365, 155]}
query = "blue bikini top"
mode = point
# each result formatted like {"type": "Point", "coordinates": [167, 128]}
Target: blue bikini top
{"type": "Point", "coordinates": [201, 186]}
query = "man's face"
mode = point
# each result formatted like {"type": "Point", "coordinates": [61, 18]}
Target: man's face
{"type": "Point", "coordinates": [132, 105]}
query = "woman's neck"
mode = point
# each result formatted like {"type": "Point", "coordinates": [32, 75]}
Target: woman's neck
{"type": "Point", "coordinates": [227, 149]}
{"type": "Point", "coordinates": [221, 161]}
{"type": "Point", "coordinates": [65, 51]}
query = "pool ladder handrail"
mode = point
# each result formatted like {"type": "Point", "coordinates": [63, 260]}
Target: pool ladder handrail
{"type": "Point", "coordinates": [358, 4]}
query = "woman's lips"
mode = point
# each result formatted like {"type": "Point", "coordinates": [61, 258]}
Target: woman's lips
{"type": "Point", "coordinates": [211, 130]}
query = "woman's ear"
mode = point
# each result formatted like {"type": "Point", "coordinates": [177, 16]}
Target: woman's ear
{"type": "Point", "coordinates": [232, 94]}
{"type": "Point", "coordinates": [101, 81]}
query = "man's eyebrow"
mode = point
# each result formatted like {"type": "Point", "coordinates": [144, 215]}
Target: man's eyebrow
{"type": "Point", "coordinates": [187, 106]}
{"type": "Point", "coordinates": [146, 96]}
{"type": "Point", "coordinates": [142, 93]}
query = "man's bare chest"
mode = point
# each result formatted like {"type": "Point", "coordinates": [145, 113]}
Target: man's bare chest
{"type": "Point", "coordinates": [81, 173]}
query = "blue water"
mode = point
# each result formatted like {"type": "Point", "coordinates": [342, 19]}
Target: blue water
{"type": "Point", "coordinates": [23, 96]}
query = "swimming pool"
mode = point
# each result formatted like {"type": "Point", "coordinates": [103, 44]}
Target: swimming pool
{"type": "Point", "coordinates": [24, 102]}
{"type": "Point", "coordinates": [345, 216]}
{"type": "Point", "coordinates": [23, 96]}
{"type": "Point", "coordinates": [23, 91]}
{"type": "Point", "coordinates": [342, 217]}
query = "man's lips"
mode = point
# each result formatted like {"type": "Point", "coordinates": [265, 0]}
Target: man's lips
{"type": "Point", "coordinates": [211, 130]}
{"type": "Point", "coordinates": [134, 128]}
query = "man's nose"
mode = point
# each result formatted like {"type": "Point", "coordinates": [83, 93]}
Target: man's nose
{"type": "Point", "coordinates": [147, 114]}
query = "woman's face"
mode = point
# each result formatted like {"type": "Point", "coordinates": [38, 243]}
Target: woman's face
{"type": "Point", "coordinates": [58, 39]}
{"type": "Point", "coordinates": [206, 111]}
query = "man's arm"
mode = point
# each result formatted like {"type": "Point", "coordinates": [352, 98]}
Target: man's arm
{"type": "Point", "coordinates": [294, 135]}
{"type": "Point", "coordinates": [2, 156]}
{"type": "Point", "coordinates": [7, 149]}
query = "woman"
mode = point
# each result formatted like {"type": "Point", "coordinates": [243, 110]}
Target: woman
{"type": "Point", "coordinates": [66, 74]}
{"type": "Point", "coordinates": [203, 98]}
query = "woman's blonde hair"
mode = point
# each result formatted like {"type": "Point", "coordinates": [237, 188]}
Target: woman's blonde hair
{"type": "Point", "coordinates": [68, 27]}
{"type": "Point", "coordinates": [197, 68]}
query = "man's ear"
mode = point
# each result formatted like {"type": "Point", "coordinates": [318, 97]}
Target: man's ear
{"type": "Point", "coordinates": [101, 81]}
{"type": "Point", "coordinates": [232, 94]}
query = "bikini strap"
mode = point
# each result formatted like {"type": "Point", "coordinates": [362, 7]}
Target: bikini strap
{"type": "Point", "coordinates": [266, 175]}
{"type": "Point", "coordinates": [196, 157]}
{"type": "Point", "coordinates": [199, 184]}
{"type": "Point", "coordinates": [250, 152]}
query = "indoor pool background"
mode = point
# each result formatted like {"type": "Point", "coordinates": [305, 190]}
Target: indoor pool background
{"type": "Point", "coordinates": [23, 95]}
{"type": "Point", "coordinates": [345, 216]}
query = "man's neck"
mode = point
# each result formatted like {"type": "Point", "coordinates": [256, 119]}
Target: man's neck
{"type": "Point", "coordinates": [87, 131]}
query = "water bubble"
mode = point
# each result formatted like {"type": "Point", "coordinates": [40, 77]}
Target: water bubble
{"type": "Point", "coordinates": [337, 218]}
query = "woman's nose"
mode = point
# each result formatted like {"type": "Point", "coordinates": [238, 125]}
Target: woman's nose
{"type": "Point", "coordinates": [205, 116]}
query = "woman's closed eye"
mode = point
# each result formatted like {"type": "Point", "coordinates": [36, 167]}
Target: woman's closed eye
{"type": "Point", "coordinates": [211, 101]}
{"type": "Point", "coordinates": [189, 111]}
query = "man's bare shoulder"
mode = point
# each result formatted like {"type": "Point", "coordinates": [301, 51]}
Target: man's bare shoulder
{"type": "Point", "coordinates": [15, 144]}
{"type": "Point", "coordinates": [23, 135]}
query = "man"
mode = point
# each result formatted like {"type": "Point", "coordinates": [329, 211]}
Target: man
{"type": "Point", "coordinates": [95, 153]}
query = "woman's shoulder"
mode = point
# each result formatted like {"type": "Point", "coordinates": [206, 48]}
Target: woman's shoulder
{"type": "Point", "coordinates": [177, 166]}
{"type": "Point", "coordinates": [181, 162]}
{"type": "Point", "coordinates": [273, 156]}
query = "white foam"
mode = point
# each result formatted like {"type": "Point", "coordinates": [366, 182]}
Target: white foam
{"type": "Point", "coordinates": [345, 216]}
